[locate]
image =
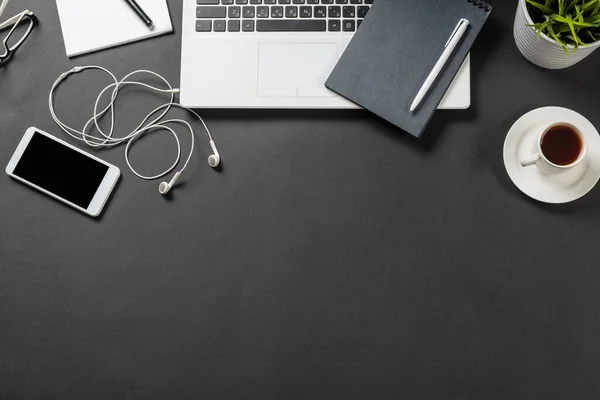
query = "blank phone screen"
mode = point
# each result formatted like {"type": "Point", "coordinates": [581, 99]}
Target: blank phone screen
{"type": "Point", "coordinates": [60, 170]}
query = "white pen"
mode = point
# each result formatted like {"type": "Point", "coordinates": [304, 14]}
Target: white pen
{"type": "Point", "coordinates": [450, 46]}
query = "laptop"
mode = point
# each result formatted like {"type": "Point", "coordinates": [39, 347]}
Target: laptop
{"type": "Point", "coordinates": [275, 54]}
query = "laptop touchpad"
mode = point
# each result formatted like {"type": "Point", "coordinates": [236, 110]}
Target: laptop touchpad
{"type": "Point", "coordinates": [295, 69]}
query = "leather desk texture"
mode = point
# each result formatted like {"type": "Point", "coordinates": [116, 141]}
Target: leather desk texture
{"type": "Point", "coordinates": [332, 257]}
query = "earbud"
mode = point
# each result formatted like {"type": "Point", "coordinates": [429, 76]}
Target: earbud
{"type": "Point", "coordinates": [215, 159]}
{"type": "Point", "coordinates": [158, 122]}
{"type": "Point", "coordinates": [164, 187]}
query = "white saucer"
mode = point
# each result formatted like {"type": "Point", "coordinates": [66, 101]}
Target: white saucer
{"type": "Point", "coordinates": [555, 189]}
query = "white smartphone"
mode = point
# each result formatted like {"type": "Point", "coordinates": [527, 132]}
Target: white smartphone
{"type": "Point", "coordinates": [62, 171]}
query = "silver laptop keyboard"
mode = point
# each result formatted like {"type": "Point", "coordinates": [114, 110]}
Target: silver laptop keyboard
{"type": "Point", "coordinates": [280, 15]}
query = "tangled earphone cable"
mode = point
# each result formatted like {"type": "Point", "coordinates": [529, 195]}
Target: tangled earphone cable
{"type": "Point", "coordinates": [107, 139]}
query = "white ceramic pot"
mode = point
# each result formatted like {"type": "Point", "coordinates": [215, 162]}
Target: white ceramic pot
{"type": "Point", "coordinates": [544, 52]}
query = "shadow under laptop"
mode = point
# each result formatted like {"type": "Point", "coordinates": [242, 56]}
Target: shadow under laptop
{"type": "Point", "coordinates": [282, 114]}
{"type": "Point", "coordinates": [429, 140]}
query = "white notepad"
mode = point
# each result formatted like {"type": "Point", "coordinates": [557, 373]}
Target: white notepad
{"type": "Point", "coordinates": [90, 25]}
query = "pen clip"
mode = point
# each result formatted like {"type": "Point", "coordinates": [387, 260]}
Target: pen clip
{"type": "Point", "coordinates": [460, 23]}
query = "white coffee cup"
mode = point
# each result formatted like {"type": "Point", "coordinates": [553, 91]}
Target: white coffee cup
{"type": "Point", "coordinates": [543, 163]}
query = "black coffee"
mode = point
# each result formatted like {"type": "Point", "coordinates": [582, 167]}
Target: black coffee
{"type": "Point", "coordinates": [562, 145]}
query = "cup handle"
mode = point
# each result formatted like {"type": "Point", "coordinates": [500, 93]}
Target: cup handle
{"type": "Point", "coordinates": [531, 160]}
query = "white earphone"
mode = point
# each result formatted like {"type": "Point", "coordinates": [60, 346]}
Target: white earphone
{"type": "Point", "coordinates": [164, 187]}
{"type": "Point", "coordinates": [108, 140]}
{"type": "Point", "coordinates": [214, 159]}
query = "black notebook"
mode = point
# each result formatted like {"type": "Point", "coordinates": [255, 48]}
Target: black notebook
{"type": "Point", "coordinates": [395, 49]}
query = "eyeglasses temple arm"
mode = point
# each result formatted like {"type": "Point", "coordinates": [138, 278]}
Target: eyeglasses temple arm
{"type": "Point", "coordinates": [11, 21]}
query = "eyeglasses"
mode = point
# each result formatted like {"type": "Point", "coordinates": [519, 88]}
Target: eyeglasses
{"type": "Point", "coordinates": [22, 24]}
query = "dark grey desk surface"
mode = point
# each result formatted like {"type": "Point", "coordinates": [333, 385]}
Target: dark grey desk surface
{"type": "Point", "coordinates": [333, 257]}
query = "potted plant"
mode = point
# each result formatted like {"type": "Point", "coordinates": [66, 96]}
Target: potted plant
{"type": "Point", "coordinates": [557, 34]}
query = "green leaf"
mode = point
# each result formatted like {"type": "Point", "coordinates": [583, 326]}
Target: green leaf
{"type": "Point", "coordinates": [563, 29]}
{"type": "Point", "coordinates": [575, 46]}
{"type": "Point", "coordinates": [589, 5]}
{"type": "Point", "coordinates": [555, 37]}
{"type": "Point", "coordinates": [572, 4]}
{"type": "Point", "coordinates": [544, 25]}
{"type": "Point", "coordinates": [579, 16]}
{"type": "Point", "coordinates": [572, 26]}
{"type": "Point", "coordinates": [593, 20]}
{"type": "Point", "coordinates": [590, 34]}
{"type": "Point", "coordinates": [568, 22]}
{"type": "Point", "coordinates": [540, 6]}
{"type": "Point", "coordinates": [541, 26]}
